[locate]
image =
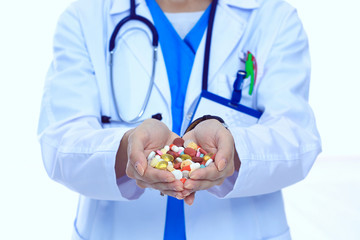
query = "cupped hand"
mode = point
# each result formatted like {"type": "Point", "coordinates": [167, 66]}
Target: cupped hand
{"type": "Point", "coordinates": [213, 137]}
{"type": "Point", "coordinates": [149, 136]}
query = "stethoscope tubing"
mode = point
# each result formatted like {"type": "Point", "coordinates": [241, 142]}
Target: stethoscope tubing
{"type": "Point", "coordinates": [155, 43]}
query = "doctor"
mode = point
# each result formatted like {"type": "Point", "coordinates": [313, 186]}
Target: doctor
{"type": "Point", "coordinates": [239, 197]}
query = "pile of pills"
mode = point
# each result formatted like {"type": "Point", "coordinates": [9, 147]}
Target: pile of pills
{"type": "Point", "coordinates": [181, 158]}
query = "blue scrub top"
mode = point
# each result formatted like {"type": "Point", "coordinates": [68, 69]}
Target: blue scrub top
{"type": "Point", "coordinates": [179, 55]}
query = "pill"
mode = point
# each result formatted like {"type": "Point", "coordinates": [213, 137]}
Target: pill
{"type": "Point", "coordinates": [154, 162]}
{"type": "Point", "coordinates": [192, 145]}
{"type": "Point", "coordinates": [162, 165]}
{"type": "Point", "coordinates": [187, 168]}
{"type": "Point", "coordinates": [208, 162]}
{"type": "Point", "coordinates": [175, 148]}
{"type": "Point", "coordinates": [197, 159]}
{"type": "Point", "coordinates": [181, 149]}
{"type": "Point", "coordinates": [172, 153]}
{"type": "Point", "coordinates": [170, 168]}
{"type": "Point", "coordinates": [202, 166]}
{"type": "Point", "coordinates": [167, 148]}
{"type": "Point", "coordinates": [185, 157]}
{"type": "Point", "coordinates": [189, 151]}
{"type": "Point", "coordinates": [187, 142]}
{"type": "Point", "coordinates": [187, 162]}
{"type": "Point", "coordinates": [178, 142]}
{"type": "Point", "coordinates": [167, 157]}
{"type": "Point", "coordinates": [163, 150]}
{"type": "Point", "coordinates": [198, 154]}
{"type": "Point", "coordinates": [185, 174]}
{"type": "Point", "coordinates": [177, 165]}
{"type": "Point", "coordinates": [202, 151]}
{"type": "Point", "coordinates": [159, 152]}
{"type": "Point", "coordinates": [151, 156]}
{"type": "Point", "coordinates": [183, 180]}
{"type": "Point", "coordinates": [158, 157]}
{"type": "Point", "coordinates": [177, 174]}
{"type": "Point", "coordinates": [201, 155]}
{"type": "Point", "coordinates": [178, 160]}
{"type": "Point", "coordinates": [206, 157]}
{"type": "Point", "coordinates": [194, 166]}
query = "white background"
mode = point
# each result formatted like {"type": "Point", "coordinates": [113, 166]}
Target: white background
{"type": "Point", "coordinates": [34, 207]}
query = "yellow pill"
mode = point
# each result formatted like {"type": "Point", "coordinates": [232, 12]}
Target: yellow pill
{"type": "Point", "coordinates": [185, 157]}
{"type": "Point", "coordinates": [167, 157]}
{"type": "Point", "coordinates": [162, 165]}
{"type": "Point", "coordinates": [153, 162]}
{"type": "Point", "coordinates": [185, 163]}
{"type": "Point", "coordinates": [170, 168]}
{"type": "Point", "coordinates": [208, 156]}
{"type": "Point", "coordinates": [192, 145]}
{"type": "Point", "coordinates": [164, 151]}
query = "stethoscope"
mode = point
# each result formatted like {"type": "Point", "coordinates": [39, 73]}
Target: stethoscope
{"type": "Point", "coordinates": [155, 43]}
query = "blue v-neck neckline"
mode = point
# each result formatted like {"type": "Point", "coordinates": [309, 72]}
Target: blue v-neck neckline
{"type": "Point", "coordinates": [193, 37]}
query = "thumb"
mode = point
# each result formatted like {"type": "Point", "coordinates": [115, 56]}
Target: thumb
{"type": "Point", "coordinates": [136, 154]}
{"type": "Point", "coordinates": [225, 151]}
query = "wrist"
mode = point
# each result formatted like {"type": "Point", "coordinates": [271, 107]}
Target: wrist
{"type": "Point", "coordinates": [121, 155]}
{"type": "Point", "coordinates": [199, 120]}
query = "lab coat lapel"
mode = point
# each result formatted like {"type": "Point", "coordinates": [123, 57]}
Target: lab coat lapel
{"type": "Point", "coordinates": [227, 32]}
{"type": "Point", "coordinates": [142, 50]}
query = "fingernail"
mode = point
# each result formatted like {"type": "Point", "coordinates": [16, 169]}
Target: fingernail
{"type": "Point", "coordinates": [186, 194]}
{"type": "Point", "coordinates": [222, 164]}
{"type": "Point", "coordinates": [139, 169]}
{"type": "Point", "coordinates": [179, 196]}
{"type": "Point", "coordinates": [188, 185]}
{"type": "Point", "coordinates": [178, 189]}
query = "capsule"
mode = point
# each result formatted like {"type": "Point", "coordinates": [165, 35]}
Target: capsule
{"type": "Point", "coordinates": [162, 165]}
{"type": "Point", "coordinates": [185, 157]}
{"type": "Point", "coordinates": [167, 157]}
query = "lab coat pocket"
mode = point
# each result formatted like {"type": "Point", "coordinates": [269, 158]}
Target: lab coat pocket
{"type": "Point", "coordinates": [221, 86]}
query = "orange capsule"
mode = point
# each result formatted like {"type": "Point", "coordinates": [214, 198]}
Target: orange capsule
{"type": "Point", "coordinates": [183, 180]}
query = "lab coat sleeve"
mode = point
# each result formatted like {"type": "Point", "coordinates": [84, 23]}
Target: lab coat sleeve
{"type": "Point", "coordinates": [281, 148]}
{"type": "Point", "coordinates": [77, 152]}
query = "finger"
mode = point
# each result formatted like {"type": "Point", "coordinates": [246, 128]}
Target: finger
{"type": "Point", "coordinates": [225, 148]}
{"type": "Point", "coordinates": [193, 186]}
{"type": "Point", "coordinates": [176, 186]}
{"type": "Point", "coordinates": [136, 154]}
{"type": "Point", "coordinates": [151, 175]}
{"type": "Point", "coordinates": [174, 194]}
{"type": "Point", "coordinates": [189, 200]}
{"type": "Point", "coordinates": [208, 173]}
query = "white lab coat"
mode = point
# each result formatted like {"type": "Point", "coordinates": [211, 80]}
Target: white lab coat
{"type": "Point", "coordinates": [79, 152]}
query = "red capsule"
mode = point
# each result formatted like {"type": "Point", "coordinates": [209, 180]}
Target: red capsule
{"type": "Point", "coordinates": [202, 151]}
{"type": "Point", "coordinates": [183, 180]}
